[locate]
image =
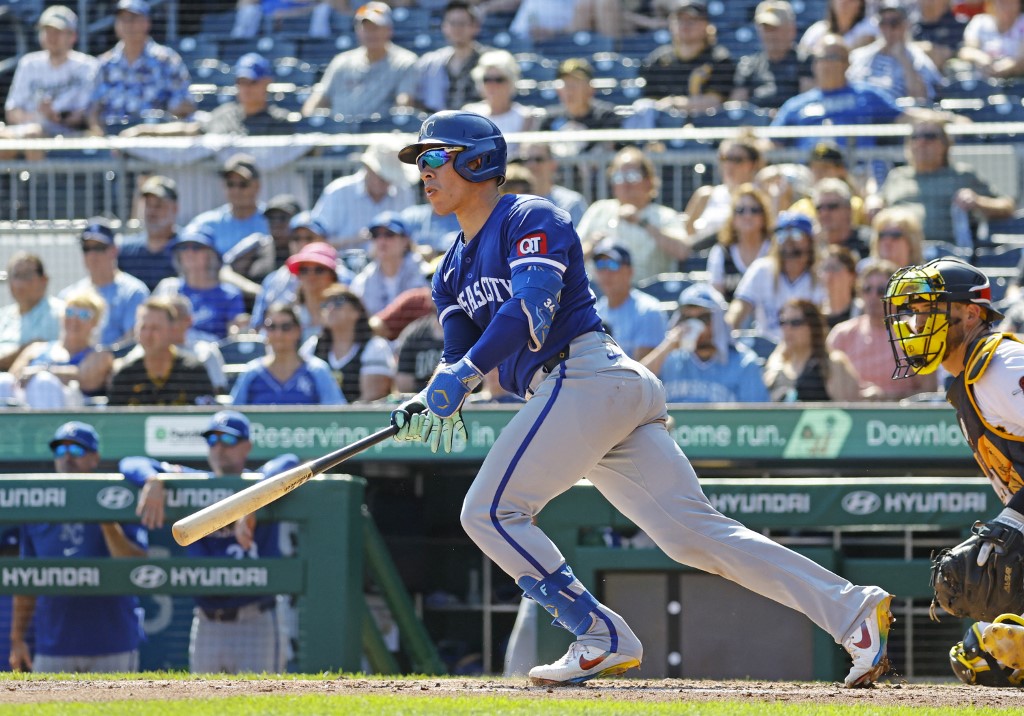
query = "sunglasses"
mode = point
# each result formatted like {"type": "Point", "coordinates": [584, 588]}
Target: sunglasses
{"type": "Point", "coordinates": [82, 314]}
{"type": "Point", "coordinates": [794, 254]}
{"type": "Point", "coordinates": [238, 184]}
{"type": "Point", "coordinates": [793, 322]}
{"type": "Point", "coordinates": [891, 21]}
{"type": "Point", "coordinates": [891, 234]}
{"type": "Point", "coordinates": [436, 158]}
{"type": "Point", "coordinates": [607, 265]}
{"type": "Point", "coordinates": [383, 234]}
{"type": "Point", "coordinates": [831, 58]}
{"type": "Point", "coordinates": [631, 176]}
{"type": "Point", "coordinates": [286, 326]}
{"type": "Point", "coordinates": [784, 235]}
{"type": "Point", "coordinates": [753, 210]}
{"type": "Point", "coordinates": [94, 248]}
{"type": "Point", "coordinates": [873, 290]}
{"type": "Point", "coordinates": [529, 160]}
{"type": "Point", "coordinates": [72, 449]}
{"type": "Point", "coordinates": [223, 438]}
{"type": "Point", "coordinates": [313, 270]}
{"type": "Point", "coordinates": [828, 206]}
{"type": "Point", "coordinates": [735, 158]}
{"type": "Point", "coordinates": [333, 302]}
{"type": "Point", "coordinates": [926, 136]}
{"type": "Point", "coordinates": [495, 80]}
{"type": "Point", "coordinates": [276, 217]}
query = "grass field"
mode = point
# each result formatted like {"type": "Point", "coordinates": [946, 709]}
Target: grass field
{"type": "Point", "coordinates": [174, 694]}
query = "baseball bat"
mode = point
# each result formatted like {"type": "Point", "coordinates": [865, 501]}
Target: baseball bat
{"type": "Point", "coordinates": [220, 514]}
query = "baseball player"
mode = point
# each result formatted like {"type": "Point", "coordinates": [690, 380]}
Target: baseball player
{"type": "Point", "coordinates": [512, 293]}
{"type": "Point", "coordinates": [941, 313]}
{"type": "Point", "coordinates": [76, 634]}
{"type": "Point", "coordinates": [229, 634]}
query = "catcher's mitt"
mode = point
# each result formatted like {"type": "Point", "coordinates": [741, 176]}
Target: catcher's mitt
{"type": "Point", "coordinates": [964, 589]}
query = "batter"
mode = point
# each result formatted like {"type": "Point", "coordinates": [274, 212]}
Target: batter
{"type": "Point", "coordinates": [512, 293]}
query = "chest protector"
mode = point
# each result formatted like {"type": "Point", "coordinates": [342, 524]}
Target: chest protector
{"type": "Point", "coordinates": [1000, 454]}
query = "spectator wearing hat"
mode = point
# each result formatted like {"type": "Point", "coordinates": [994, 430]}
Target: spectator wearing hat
{"type": "Point", "coordinates": [160, 375]}
{"type": "Point", "coordinates": [692, 73]}
{"type": "Point", "coordinates": [51, 89]}
{"type": "Point", "coordinates": [33, 316]}
{"type": "Point", "coordinates": [216, 305]}
{"type": "Point", "coordinates": [634, 317]}
{"type": "Point", "coordinates": [249, 113]}
{"type": "Point", "coordinates": [538, 158]}
{"type": "Point", "coordinates": [698, 361]}
{"type": "Point", "coordinates": [833, 206]}
{"type": "Point", "coordinates": [61, 373]}
{"type": "Point", "coordinates": [78, 634]}
{"type": "Point", "coordinates": [577, 108]}
{"type": "Point", "coordinates": [255, 256]}
{"type": "Point", "coordinates": [242, 214]}
{"type": "Point", "coordinates": [282, 284]}
{"type": "Point", "coordinates": [137, 75]}
{"type": "Point", "coordinates": [938, 30]}
{"type": "Point", "coordinates": [147, 255]}
{"type": "Point", "coordinates": [827, 161]}
{"type": "Point", "coordinates": [316, 268]}
{"type": "Point", "coordinates": [445, 75]}
{"type": "Point", "coordinates": [363, 364]}
{"type": "Point", "coordinates": [893, 62]}
{"type": "Point", "coordinates": [348, 204]}
{"type": "Point", "coordinates": [770, 77]}
{"type": "Point", "coordinates": [786, 272]}
{"type": "Point", "coordinates": [369, 79]}
{"type": "Point", "coordinates": [229, 634]}
{"type": "Point", "coordinates": [285, 376]}
{"type": "Point", "coordinates": [394, 264]}
{"type": "Point", "coordinates": [122, 292]}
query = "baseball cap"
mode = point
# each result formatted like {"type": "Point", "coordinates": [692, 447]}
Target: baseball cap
{"type": "Point", "coordinates": [160, 186]}
{"type": "Point", "coordinates": [391, 221]}
{"type": "Point", "coordinates": [305, 220]}
{"type": "Point", "coordinates": [704, 295]}
{"type": "Point", "coordinates": [319, 252]}
{"type": "Point", "coordinates": [576, 66]}
{"type": "Point", "coordinates": [613, 251]}
{"type": "Point", "coordinates": [794, 220]}
{"type": "Point", "coordinates": [193, 236]}
{"type": "Point", "coordinates": [287, 203]}
{"type": "Point", "coordinates": [79, 433]}
{"type": "Point", "coordinates": [99, 230]}
{"type": "Point", "coordinates": [252, 66]}
{"type": "Point", "coordinates": [892, 5]}
{"type": "Point", "coordinates": [60, 17]}
{"type": "Point", "coordinates": [229, 422]}
{"type": "Point", "coordinates": [139, 7]}
{"type": "Point", "coordinates": [827, 152]}
{"type": "Point", "coordinates": [698, 6]}
{"type": "Point", "coordinates": [774, 13]}
{"type": "Point", "coordinates": [241, 164]}
{"type": "Point", "coordinates": [376, 12]}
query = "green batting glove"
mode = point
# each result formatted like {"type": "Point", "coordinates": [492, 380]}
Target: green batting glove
{"type": "Point", "coordinates": [441, 432]}
{"type": "Point", "coordinates": [409, 417]}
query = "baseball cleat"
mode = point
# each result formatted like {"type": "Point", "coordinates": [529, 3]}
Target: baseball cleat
{"type": "Point", "coordinates": [582, 663]}
{"type": "Point", "coordinates": [1004, 639]}
{"type": "Point", "coordinates": [867, 645]}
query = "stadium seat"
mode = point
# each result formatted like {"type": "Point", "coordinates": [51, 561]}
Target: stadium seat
{"type": "Point", "coordinates": [213, 72]}
{"type": "Point", "coordinates": [615, 66]}
{"type": "Point", "coordinates": [197, 49]}
{"type": "Point", "coordinates": [672, 119]}
{"type": "Point", "coordinates": [641, 45]}
{"type": "Point", "coordinates": [296, 71]}
{"type": "Point", "coordinates": [967, 87]}
{"type": "Point", "coordinates": [761, 344]}
{"type": "Point", "coordinates": [732, 114]}
{"type": "Point", "coordinates": [512, 43]}
{"type": "Point", "coordinates": [537, 68]}
{"type": "Point", "coordinates": [665, 287]}
{"type": "Point", "coordinates": [217, 25]}
{"type": "Point", "coordinates": [241, 348]}
{"type": "Point", "coordinates": [1005, 256]}
{"type": "Point", "coordinates": [399, 119]}
{"type": "Point", "coordinates": [577, 44]}
{"type": "Point", "coordinates": [739, 41]}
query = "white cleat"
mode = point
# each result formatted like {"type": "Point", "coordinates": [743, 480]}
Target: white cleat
{"type": "Point", "coordinates": [867, 645]}
{"type": "Point", "coordinates": [582, 663]}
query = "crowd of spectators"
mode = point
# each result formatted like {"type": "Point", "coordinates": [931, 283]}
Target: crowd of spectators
{"type": "Point", "coordinates": [333, 299]}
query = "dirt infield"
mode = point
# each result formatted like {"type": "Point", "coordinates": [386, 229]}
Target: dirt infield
{"type": "Point", "coordinates": [887, 694]}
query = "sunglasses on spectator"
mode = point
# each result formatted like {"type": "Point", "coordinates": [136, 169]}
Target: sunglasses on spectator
{"type": "Point", "coordinates": [313, 270]}
{"type": "Point", "coordinates": [926, 136]}
{"type": "Point", "coordinates": [94, 248]}
{"type": "Point", "coordinates": [784, 235]}
{"type": "Point", "coordinates": [891, 21]}
{"type": "Point", "coordinates": [890, 234]}
{"type": "Point", "coordinates": [873, 290]}
{"type": "Point", "coordinates": [631, 176]}
{"type": "Point", "coordinates": [435, 158]}
{"type": "Point", "coordinates": [82, 314]}
{"type": "Point", "coordinates": [334, 302]}
{"type": "Point", "coordinates": [794, 253]}
{"type": "Point", "coordinates": [224, 439]}
{"type": "Point", "coordinates": [828, 206]}
{"type": "Point", "coordinates": [529, 160]}
{"type": "Point", "coordinates": [495, 79]}
{"type": "Point", "coordinates": [792, 322]}
{"type": "Point", "coordinates": [72, 449]}
{"type": "Point", "coordinates": [831, 58]}
{"type": "Point", "coordinates": [238, 184]}
{"type": "Point", "coordinates": [607, 265]}
{"type": "Point", "coordinates": [278, 217]}
{"type": "Point", "coordinates": [735, 158]}
{"type": "Point", "coordinates": [286, 326]}
{"type": "Point", "coordinates": [385, 234]}
{"type": "Point", "coordinates": [754, 210]}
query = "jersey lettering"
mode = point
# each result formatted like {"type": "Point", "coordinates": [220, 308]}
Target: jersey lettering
{"type": "Point", "coordinates": [532, 244]}
{"type": "Point", "coordinates": [484, 291]}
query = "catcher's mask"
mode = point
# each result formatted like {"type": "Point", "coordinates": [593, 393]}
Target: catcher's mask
{"type": "Point", "coordinates": [918, 302]}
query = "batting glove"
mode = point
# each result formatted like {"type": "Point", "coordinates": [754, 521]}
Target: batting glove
{"type": "Point", "coordinates": [409, 418]}
{"type": "Point", "coordinates": [1009, 518]}
{"type": "Point", "coordinates": [450, 386]}
{"type": "Point", "coordinates": [441, 432]}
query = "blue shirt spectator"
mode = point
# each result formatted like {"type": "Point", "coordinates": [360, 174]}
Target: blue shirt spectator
{"type": "Point", "coordinates": [311, 384]}
{"type": "Point", "coordinates": [243, 214]}
{"type": "Point", "coordinates": [634, 318]}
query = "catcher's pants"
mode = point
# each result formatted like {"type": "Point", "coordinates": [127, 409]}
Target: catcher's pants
{"type": "Point", "coordinates": [602, 415]}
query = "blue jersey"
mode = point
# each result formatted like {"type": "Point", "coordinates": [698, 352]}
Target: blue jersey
{"type": "Point", "coordinates": [212, 308]}
{"type": "Point", "coordinates": [853, 104]}
{"type": "Point", "coordinates": [86, 625]}
{"type": "Point", "coordinates": [688, 379]}
{"type": "Point", "coordinates": [476, 279]}
{"type": "Point", "coordinates": [222, 543]}
{"type": "Point", "coordinates": [312, 384]}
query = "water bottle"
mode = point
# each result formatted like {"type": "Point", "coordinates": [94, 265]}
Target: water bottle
{"type": "Point", "coordinates": [961, 222]}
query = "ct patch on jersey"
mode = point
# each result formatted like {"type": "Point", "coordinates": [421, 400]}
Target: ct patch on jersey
{"type": "Point", "coordinates": [532, 244]}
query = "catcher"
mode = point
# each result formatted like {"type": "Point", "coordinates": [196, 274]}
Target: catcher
{"type": "Point", "coordinates": [941, 313]}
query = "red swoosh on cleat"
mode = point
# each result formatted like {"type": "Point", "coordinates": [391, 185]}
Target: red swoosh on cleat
{"type": "Point", "coordinates": [588, 664]}
{"type": "Point", "coordinates": [865, 638]}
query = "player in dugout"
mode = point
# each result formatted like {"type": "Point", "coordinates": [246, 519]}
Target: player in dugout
{"type": "Point", "coordinates": [512, 294]}
{"type": "Point", "coordinates": [941, 313]}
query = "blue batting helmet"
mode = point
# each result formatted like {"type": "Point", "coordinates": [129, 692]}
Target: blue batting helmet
{"type": "Point", "coordinates": [479, 136]}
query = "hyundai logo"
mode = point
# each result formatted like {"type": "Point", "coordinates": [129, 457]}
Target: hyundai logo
{"type": "Point", "coordinates": [861, 502]}
{"type": "Point", "coordinates": [115, 497]}
{"type": "Point", "coordinates": [148, 576]}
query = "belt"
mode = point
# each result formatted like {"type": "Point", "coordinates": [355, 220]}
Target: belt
{"type": "Point", "coordinates": [551, 363]}
{"type": "Point", "coordinates": [231, 614]}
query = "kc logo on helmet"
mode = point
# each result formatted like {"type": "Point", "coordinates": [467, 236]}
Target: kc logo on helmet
{"type": "Point", "coordinates": [533, 244]}
{"type": "Point", "coordinates": [115, 497]}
